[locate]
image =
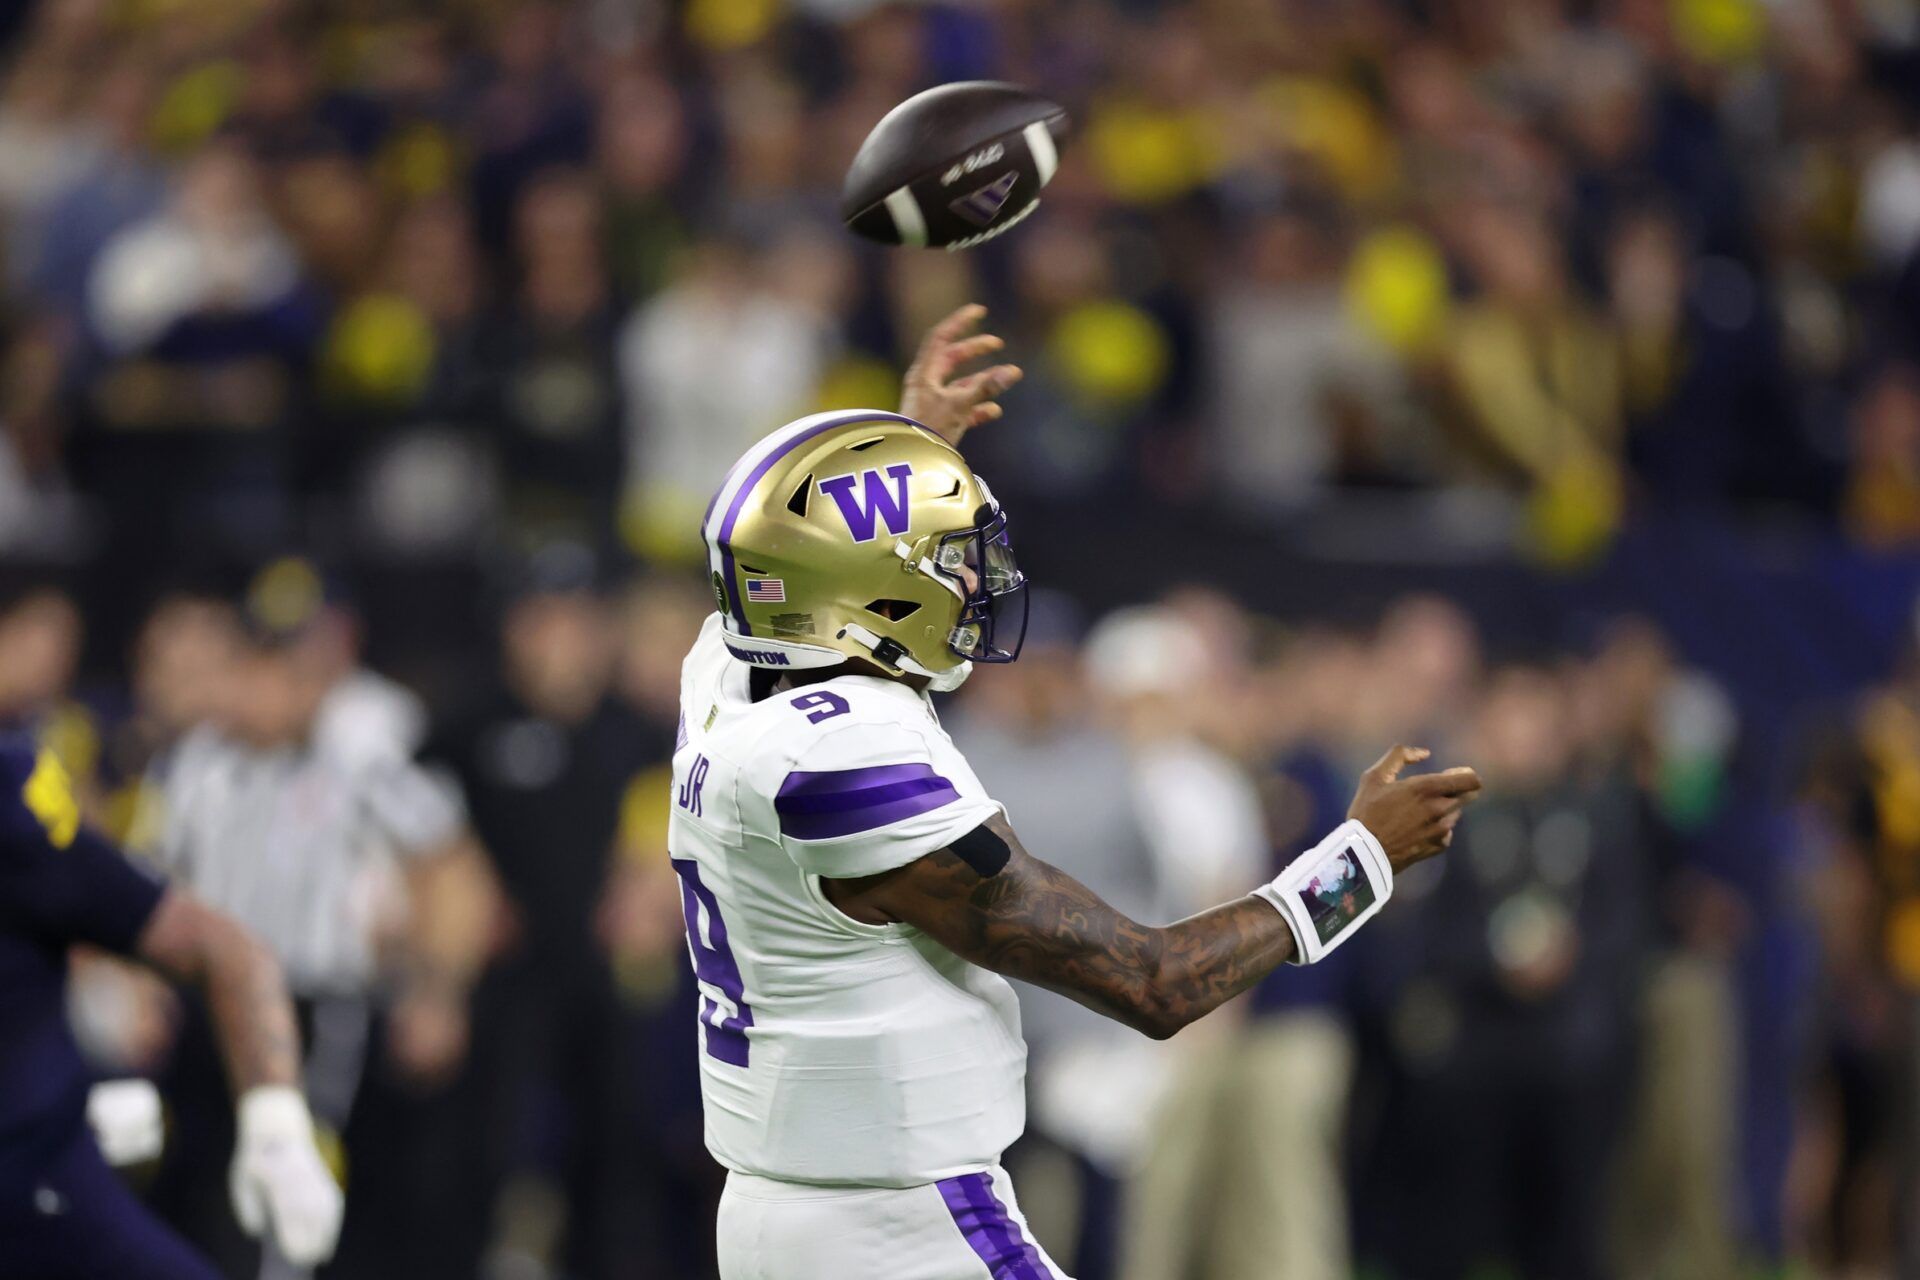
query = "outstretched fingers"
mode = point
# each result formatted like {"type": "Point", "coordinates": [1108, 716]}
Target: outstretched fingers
{"type": "Point", "coordinates": [939, 367]}
{"type": "Point", "coordinates": [955, 326]}
{"type": "Point", "coordinates": [987, 383]}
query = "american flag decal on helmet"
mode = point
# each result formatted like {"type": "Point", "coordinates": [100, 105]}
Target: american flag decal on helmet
{"type": "Point", "coordinates": [766, 591]}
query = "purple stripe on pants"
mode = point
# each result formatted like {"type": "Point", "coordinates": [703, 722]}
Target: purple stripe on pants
{"type": "Point", "coordinates": [990, 1231]}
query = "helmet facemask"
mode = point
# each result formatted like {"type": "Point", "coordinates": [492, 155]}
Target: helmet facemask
{"type": "Point", "coordinates": [978, 563]}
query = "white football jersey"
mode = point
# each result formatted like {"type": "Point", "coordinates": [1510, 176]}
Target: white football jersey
{"type": "Point", "coordinates": [831, 1051]}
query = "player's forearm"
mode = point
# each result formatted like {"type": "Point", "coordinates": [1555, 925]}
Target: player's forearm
{"type": "Point", "coordinates": [245, 992]}
{"type": "Point", "coordinates": [1032, 921]}
{"type": "Point", "coordinates": [1210, 958]}
{"type": "Point", "coordinates": [252, 1015]}
{"type": "Point", "coordinates": [1156, 980]}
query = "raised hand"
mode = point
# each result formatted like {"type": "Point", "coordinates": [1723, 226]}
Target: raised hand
{"type": "Point", "coordinates": [1412, 818]}
{"type": "Point", "coordinates": [933, 396]}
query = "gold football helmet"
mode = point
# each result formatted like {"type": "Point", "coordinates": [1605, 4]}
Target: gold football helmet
{"type": "Point", "coordinates": [862, 534]}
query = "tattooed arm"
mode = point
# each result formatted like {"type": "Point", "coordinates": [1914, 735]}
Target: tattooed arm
{"type": "Point", "coordinates": [252, 1016]}
{"type": "Point", "coordinates": [1035, 922]}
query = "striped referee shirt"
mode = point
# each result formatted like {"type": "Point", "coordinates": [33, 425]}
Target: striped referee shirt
{"type": "Point", "coordinates": [303, 844]}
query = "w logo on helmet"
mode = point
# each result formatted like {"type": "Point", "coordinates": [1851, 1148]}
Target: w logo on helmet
{"type": "Point", "coordinates": [876, 500]}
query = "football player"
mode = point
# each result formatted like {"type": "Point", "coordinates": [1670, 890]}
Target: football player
{"type": "Point", "coordinates": [64, 1214]}
{"type": "Point", "coordinates": [853, 896]}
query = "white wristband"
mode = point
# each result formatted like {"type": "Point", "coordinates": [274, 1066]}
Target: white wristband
{"type": "Point", "coordinates": [1329, 891]}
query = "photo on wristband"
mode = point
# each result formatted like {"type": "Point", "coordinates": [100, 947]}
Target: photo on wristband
{"type": "Point", "coordinates": [1336, 893]}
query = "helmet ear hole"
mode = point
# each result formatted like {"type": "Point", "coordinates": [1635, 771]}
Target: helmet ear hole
{"type": "Point", "coordinates": [893, 610]}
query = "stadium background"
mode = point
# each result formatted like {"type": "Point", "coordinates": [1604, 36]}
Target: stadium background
{"type": "Point", "coordinates": [1537, 379]}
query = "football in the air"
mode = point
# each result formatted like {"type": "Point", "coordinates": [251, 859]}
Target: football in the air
{"type": "Point", "coordinates": [954, 166]}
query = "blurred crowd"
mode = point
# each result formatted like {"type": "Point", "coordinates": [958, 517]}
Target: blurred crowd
{"type": "Point", "coordinates": [365, 367]}
{"type": "Point", "coordinates": [398, 279]}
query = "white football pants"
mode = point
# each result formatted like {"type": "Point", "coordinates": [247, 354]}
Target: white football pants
{"type": "Point", "coordinates": [964, 1228]}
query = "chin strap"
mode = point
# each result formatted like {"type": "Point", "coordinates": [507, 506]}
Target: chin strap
{"type": "Point", "coordinates": [892, 654]}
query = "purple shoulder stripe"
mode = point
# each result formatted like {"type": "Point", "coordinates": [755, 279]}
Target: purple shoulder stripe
{"type": "Point", "coordinates": [845, 802]}
{"type": "Point", "coordinates": [990, 1230]}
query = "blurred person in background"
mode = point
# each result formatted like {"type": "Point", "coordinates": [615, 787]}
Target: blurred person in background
{"type": "Point", "coordinates": [1300, 1046]}
{"type": "Point", "coordinates": [1535, 377]}
{"type": "Point", "coordinates": [520, 107]}
{"type": "Point", "coordinates": [1156, 675]}
{"type": "Point", "coordinates": [718, 353]}
{"type": "Point", "coordinates": [1211, 1193]}
{"type": "Point", "coordinates": [1317, 701]}
{"type": "Point", "coordinates": [123, 1016]}
{"type": "Point", "coordinates": [547, 755]}
{"type": "Point", "coordinates": [120, 1010]}
{"type": "Point", "coordinates": [403, 358]}
{"type": "Point", "coordinates": [1296, 716]}
{"type": "Point", "coordinates": [212, 262]}
{"type": "Point", "coordinates": [555, 395]}
{"type": "Point", "coordinates": [1881, 503]}
{"type": "Point", "coordinates": [64, 1214]}
{"type": "Point", "coordinates": [1305, 397]}
{"type": "Point", "coordinates": [37, 504]}
{"type": "Point", "coordinates": [108, 181]}
{"type": "Point", "coordinates": [1643, 721]}
{"type": "Point", "coordinates": [1859, 1158]}
{"type": "Point", "coordinates": [180, 658]}
{"type": "Point", "coordinates": [299, 809]}
{"type": "Point", "coordinates": [1509, 1033]}
{"type": "Point", "coordinates": [642, 150]}
{"type": "Point", "coordinates": [42, 139]}
{"type": "Point", "coordinates": [1707, 417]}
{"type": "Point", "coordinates": [199, 324]}
{"type": "Point", "coordinates": [40, 635]}
{"type": "Point", "coordinates": [1044, 750]}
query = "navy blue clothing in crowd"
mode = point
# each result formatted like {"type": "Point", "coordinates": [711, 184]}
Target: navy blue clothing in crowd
{"type": "Point", "coordinates": [62, 1211]}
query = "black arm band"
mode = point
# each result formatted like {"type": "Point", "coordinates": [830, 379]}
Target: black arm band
{"type": "Point", "coordinates": [982, 850]}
